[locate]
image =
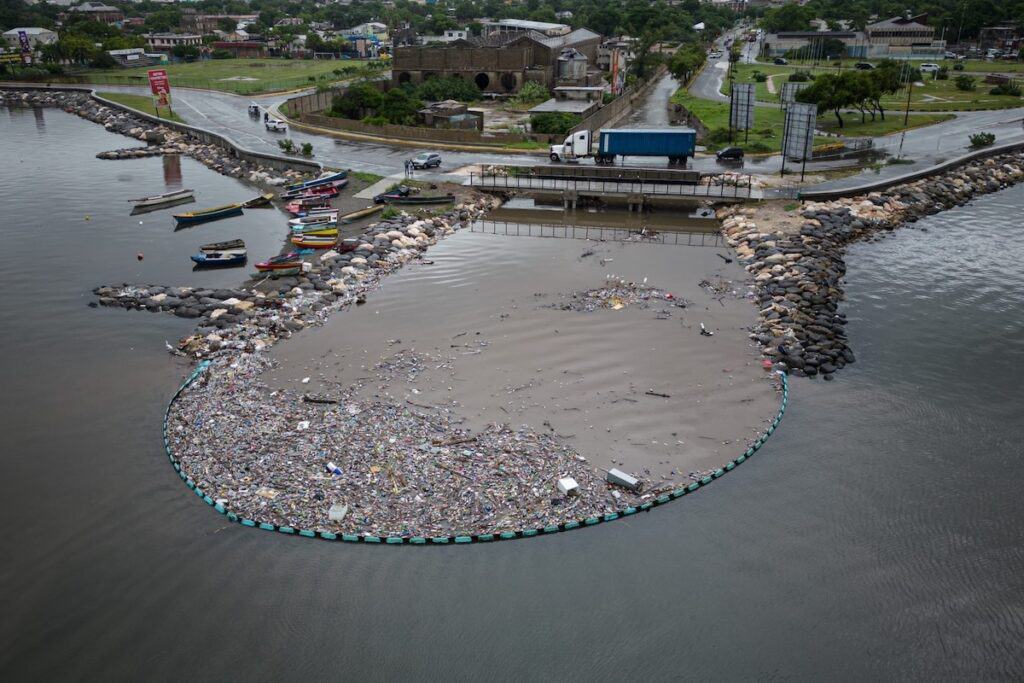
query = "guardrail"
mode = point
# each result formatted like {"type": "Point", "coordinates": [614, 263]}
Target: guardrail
{"type": "Point", "coordinates": [837, 193]}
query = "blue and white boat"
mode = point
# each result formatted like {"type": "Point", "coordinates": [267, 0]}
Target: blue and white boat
{"type": "Point", "coordinates": [217, 259]}
{"type": "Point", "coordinates": [328, 178]}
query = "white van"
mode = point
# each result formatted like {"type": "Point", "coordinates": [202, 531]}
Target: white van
{"type": "Point", "coordinates": [276, 125]}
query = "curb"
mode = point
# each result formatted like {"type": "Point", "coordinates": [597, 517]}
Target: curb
{"type": "Point", "coordinates": [463, 539]}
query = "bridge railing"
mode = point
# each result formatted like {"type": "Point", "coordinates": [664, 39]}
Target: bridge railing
{"type": "Point", "coordinates": [714, 185]}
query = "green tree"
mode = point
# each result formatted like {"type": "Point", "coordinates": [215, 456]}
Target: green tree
{"type": "Point", "coordinates": [359, 100]}
{"type": "Point", "coordinates": [227, 24]}
{"type": "Point", "coordinates": [830, 92]}
{"type": "Point", "coordinates": [163, 20]}
{"type": "Point", "coordinates": [553, 123]}
{"type": "Point", "coordinates": [186, 53]}
{"type": "Point", "coordinates": [790, 17]}
{"type": "Point", "coordinates": [448, 88]}
{"type": "Point", "coordinates": [398, 106]}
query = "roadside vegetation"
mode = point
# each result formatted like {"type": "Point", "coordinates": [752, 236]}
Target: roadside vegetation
{"type": "Point", "coordinates": [143, 103]}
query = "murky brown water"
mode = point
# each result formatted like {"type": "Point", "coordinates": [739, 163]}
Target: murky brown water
{"type": "Point", "coordinates": [490, 303]}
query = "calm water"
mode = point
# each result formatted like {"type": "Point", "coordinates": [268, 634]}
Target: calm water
{"type": "Point", "coordinates": [878, 535]}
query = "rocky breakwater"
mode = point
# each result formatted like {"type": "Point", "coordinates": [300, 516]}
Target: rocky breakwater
{"type": "Point", "coordinates": [251, 317]}
{"type": "Point", "coordinates": [798, 271]}
{"type": "Point", "coordinates": [161, 139]}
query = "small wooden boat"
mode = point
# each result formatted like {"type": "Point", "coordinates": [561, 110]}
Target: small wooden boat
{"type": "Point", "coordinates": [207, 215]}
{"type": "Point", "coordinates": [220, 259]}
{"type": "Point", "coordinates": [314, 242]}
{"type": "Point", "coordinates": [326, 178]}
{"type": "Point", "coordinates": [280, 272]}
{"type": "Point", "coordinates": [413, 200]}
{"type": "Point", "coordinates": [230, 245]}
{"type": "Point", "coordinates": [262, 200]}
{"type": "Point", "coordinates": [302, 207]}
{"type": "Point", "coordinates": [314, 218]}
{"type": "Point", "coordinates": [361, 213]}
{"type": "Point", "coordinates": [395, 191]}
{"type": "Point", "coordinates": [321, 191]}
{"type": "Point", "coordinates": [161, 199]}
{"type": "Point", "coordinates": [314, 231]}
{"type": "Point", "coordinates": [282, 262]}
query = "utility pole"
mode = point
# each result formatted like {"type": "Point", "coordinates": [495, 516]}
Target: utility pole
{"type": "Point", "coordinates": [906, 114]}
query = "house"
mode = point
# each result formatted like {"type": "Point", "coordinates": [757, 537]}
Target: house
{"type": "Point", "coordinates": [615, 53]}
{"type": "Point", "coordinates": [905, 37]}
{"type": "Point", "coordinates": [205, 24]}
{"type": "Point", "coordinates": [37, 37]}
{"type": "Point", "coordinates": [134, 56]}
{"type": "Point", "coordinates": [166, 42]}
{"type": "Point", "coordinates": [97, 11]}
{"type": "Point", "coordinates": [451, 114]}
{"type": "Point", "coordinates": [523, 26]}
{"type": "Point", "coordinates": [289, 21]}
{"type": "Point", "coordinates": [582, 100]}
{"type": "Point", "coordinates": [502, 60]}
{"type": "Point", "coordinates": [855, 43]}
{"type": "Point", "coordinates": [371, 29]}
{"type": "Point", "coordinates": [449, 36]}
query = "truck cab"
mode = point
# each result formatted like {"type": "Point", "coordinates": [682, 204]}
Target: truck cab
{"type": "Point", "coordinates": [575, 146]}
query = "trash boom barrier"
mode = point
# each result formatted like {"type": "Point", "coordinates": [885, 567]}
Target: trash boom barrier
{"type": "Point", "coordinates": [475, 538]}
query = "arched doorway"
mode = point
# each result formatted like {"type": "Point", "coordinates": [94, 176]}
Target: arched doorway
{"type": "Point", "coordinates": [482, 80]}
{"type": "Point", "coordinates": [404, 77]}
{"type": "Point", "coordinates": [509, 82]}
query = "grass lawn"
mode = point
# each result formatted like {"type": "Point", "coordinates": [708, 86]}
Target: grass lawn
{"type": "Point", "coordinates": [143, 103]}
{"type": "Point", "coordinates": [241, 76]}
{"type": "Point", "coordinates": [932, 96]}
{"type": "Point", "coordinates": [766, 136]}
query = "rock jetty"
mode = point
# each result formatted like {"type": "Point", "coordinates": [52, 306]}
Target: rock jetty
{"type": "Point", "coordinates": [161, 139]}
{"type": "Point", "coordinates": [798, 273]}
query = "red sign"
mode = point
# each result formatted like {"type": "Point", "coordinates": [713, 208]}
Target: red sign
{"type": "Point", "coordinates": [161, 87]}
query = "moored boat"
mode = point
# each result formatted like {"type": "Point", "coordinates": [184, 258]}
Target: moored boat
{"type": "Point", "coordinates": [314, 218]}
{"type": "Point", "coordinates": [322, 191]}
{"type": "Point", "coordinates": [317, 231]}
{"type": "Point", "coordinates": [300, 207]}
{"type": "Point", "coordinates": [314, 242]}
{"type": "Point", "coordinates": [280, 272]}
{"type": "Point", "coordinates": [412, 200]}
{"type": "Point", "coordinates": [206, 215]}
{"type": "Point", "coordinates": [281, 262]}
{"type": "Point", "coordinates": [326, 178]}
{"type": "Point", "coordinates": [216, 259]}
{"type": "Point", "coordinates": [161, 199]}
{"type": "Point", "coordinates": [229, 245]}
{"type": "Point", "coordinates": [262, 200]}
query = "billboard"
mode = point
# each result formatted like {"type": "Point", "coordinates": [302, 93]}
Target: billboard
{"type": "Point", "coordinates": [789, 91]}
{"type": "Point", "coordinates": [741, 106]}
{"type": "Point", "coordinates": [26, 47]}
{"type": "Point", "coordinates": [798, 130]}
{"type": "Point", "coordinates": [160, 87]}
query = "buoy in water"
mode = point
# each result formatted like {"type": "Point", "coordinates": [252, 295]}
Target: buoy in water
{"type": "Point", "coordinates": [139, 256]}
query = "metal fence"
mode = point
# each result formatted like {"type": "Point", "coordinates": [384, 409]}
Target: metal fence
{"type": "Point", "coordinates": [584, 232]}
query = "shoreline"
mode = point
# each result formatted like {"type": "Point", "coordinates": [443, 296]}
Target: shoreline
{"type": "Point", "coordinates": [796, 256]}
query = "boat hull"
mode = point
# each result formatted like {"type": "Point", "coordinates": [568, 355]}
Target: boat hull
{"type": "Point", "coordinates": [196, 217]}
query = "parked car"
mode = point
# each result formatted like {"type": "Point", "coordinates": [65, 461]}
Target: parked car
{"type": "Point", "coordinates": [864, 66]}
{"type": "Point", "coordinates": [714, 54]}
{"type": "Point", "coordinates": [951, 55]}
{"type": "Point", "coordinates": [928, 68]}
{"type": "Point", "coordinates": [730, 154]}
{"type": "Point", "coordinates": [426, 160]}
{"type": "Point", "coordinates": [780, 60]}
{"type": "Point", "coordinates": [276, 126]}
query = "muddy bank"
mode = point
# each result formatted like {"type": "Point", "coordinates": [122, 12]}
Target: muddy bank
{"type": "Point", "coordinates": [797, 257]}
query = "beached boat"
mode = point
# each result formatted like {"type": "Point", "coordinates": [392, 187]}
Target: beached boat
{"type": "Point", "coordinates": [207, 215]}
{"type": "Point", "coordinates": [412, 200]}
{"type": "Point", "coordinates": [280, 272]}
{"type": "Point", "coordinates": [303, 207]}
{"type": "Point", "coordinates": [314, 242]}
{"type": "Point", "coordinates": [322, 191]}
{"type": "Point", "coordinates": [326, 178]}
{"type": "Point", "coordinates": [317, 231]}
{"type": "Point", "coordinates": [220, 259]}
{"type": "Point", "coordinates": [161, 199]}
{"type": "Point", "coordinates": [314, 218]}
{"type": "Point", "coordinates": [229, 245]}
{"type": "Point", "coordinates": [282, 262]}
{"type": "Point", "coordinates": [262, 200]}
{"type": "Point", "coordinates": [361, 213]}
